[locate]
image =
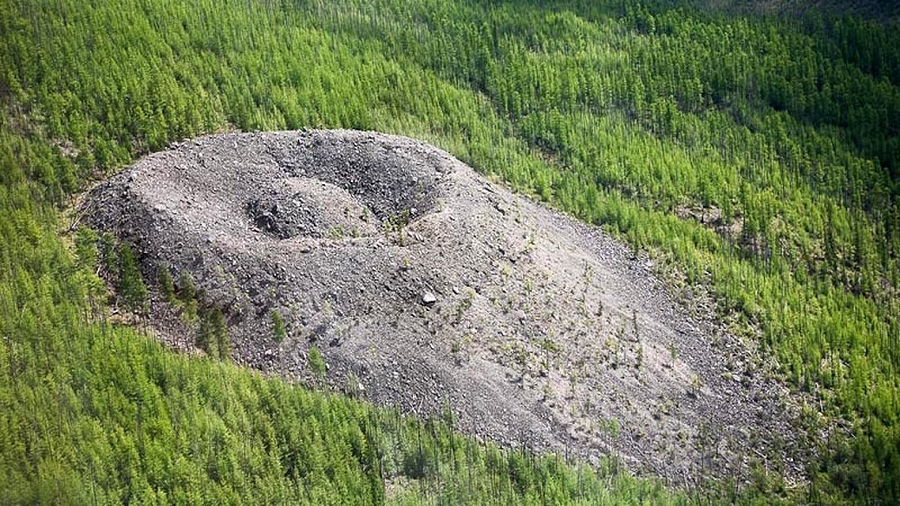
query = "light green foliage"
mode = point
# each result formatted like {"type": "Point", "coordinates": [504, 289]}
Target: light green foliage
{"type": "Point", "coordinates": [756, 155]}
{"type": "Point", "coordinates": [87, 259]}
{"type": "Point", "coordinates": [86, 252]}
{"type": "Point", "coordinates": [316, 362]}
{"type": "Point", "coordinates": [110, 254]}
{"type": "Point", "coordinates": [279, 332]}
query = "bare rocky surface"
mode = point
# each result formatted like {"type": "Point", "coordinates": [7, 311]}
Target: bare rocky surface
{"type": "Point", "coordinates": [423, 285]}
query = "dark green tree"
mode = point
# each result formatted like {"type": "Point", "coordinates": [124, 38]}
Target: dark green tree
{"type": "Point", "coordinates": [131, 285]}
{"type": "Point", "coordinates": [219, 329]}
{"type": "Point", "coordinates": [166, 284]}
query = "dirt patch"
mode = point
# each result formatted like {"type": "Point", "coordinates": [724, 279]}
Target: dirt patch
{"type": "Point", "coordinates": [423, 285]}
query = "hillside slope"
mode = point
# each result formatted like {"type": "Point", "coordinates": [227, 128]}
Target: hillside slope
{"type": "Point", "coordinates": [427, 288]}
{"type": "Point", "coordinates": [754, 158]}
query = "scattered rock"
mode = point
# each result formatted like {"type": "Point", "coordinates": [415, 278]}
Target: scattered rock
{"type": "Point", "coordinates": [314, 224]}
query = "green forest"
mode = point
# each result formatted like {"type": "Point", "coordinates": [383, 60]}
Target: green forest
{"type": "Point", "coordinates": [754, 156]}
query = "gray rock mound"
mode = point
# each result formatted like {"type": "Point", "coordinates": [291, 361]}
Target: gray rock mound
{"type": "Point", "coordinates": [423, 285]}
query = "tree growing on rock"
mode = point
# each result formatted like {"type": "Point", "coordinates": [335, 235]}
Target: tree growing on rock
{"type": "Point", "coordinates": [220, 330]}
{"type": "Point", "coordinates": [316, 362]}
{"type": "Point", "coordinates": [212, 335]}
{"type": "Point", "coordinates": [279, 332]}
{"type": "Point", "coordinates": [166, 284]}
{"type": "Point", "coordinates": [187, 294]}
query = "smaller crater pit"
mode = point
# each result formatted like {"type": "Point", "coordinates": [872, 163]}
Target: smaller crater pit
{"type": "Point", "coordinates": [307, 207]}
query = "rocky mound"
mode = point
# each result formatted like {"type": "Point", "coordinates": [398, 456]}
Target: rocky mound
{"type": "Point", "coordinates": [425, 286]}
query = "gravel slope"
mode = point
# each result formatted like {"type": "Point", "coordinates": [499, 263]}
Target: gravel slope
{"type": "Point", "coordinates": [424, 286]}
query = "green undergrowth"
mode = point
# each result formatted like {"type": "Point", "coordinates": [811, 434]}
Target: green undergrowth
{"type": "Point", "coordinates": [755, 155]}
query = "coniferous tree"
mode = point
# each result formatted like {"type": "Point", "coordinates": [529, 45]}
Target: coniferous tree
{"type": "Point", "coordinates": [131, 284]}
{"type": "Point", "coordinates": [219, 329]}
{"type": "Point", "coordinates": [316, 362]}
{"type": "Point", "coordinates": [166, 284]}
{"type": "Point", "coordinates": [279, 332]}
{"type": "Point", "coordinates": [187, 295]}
